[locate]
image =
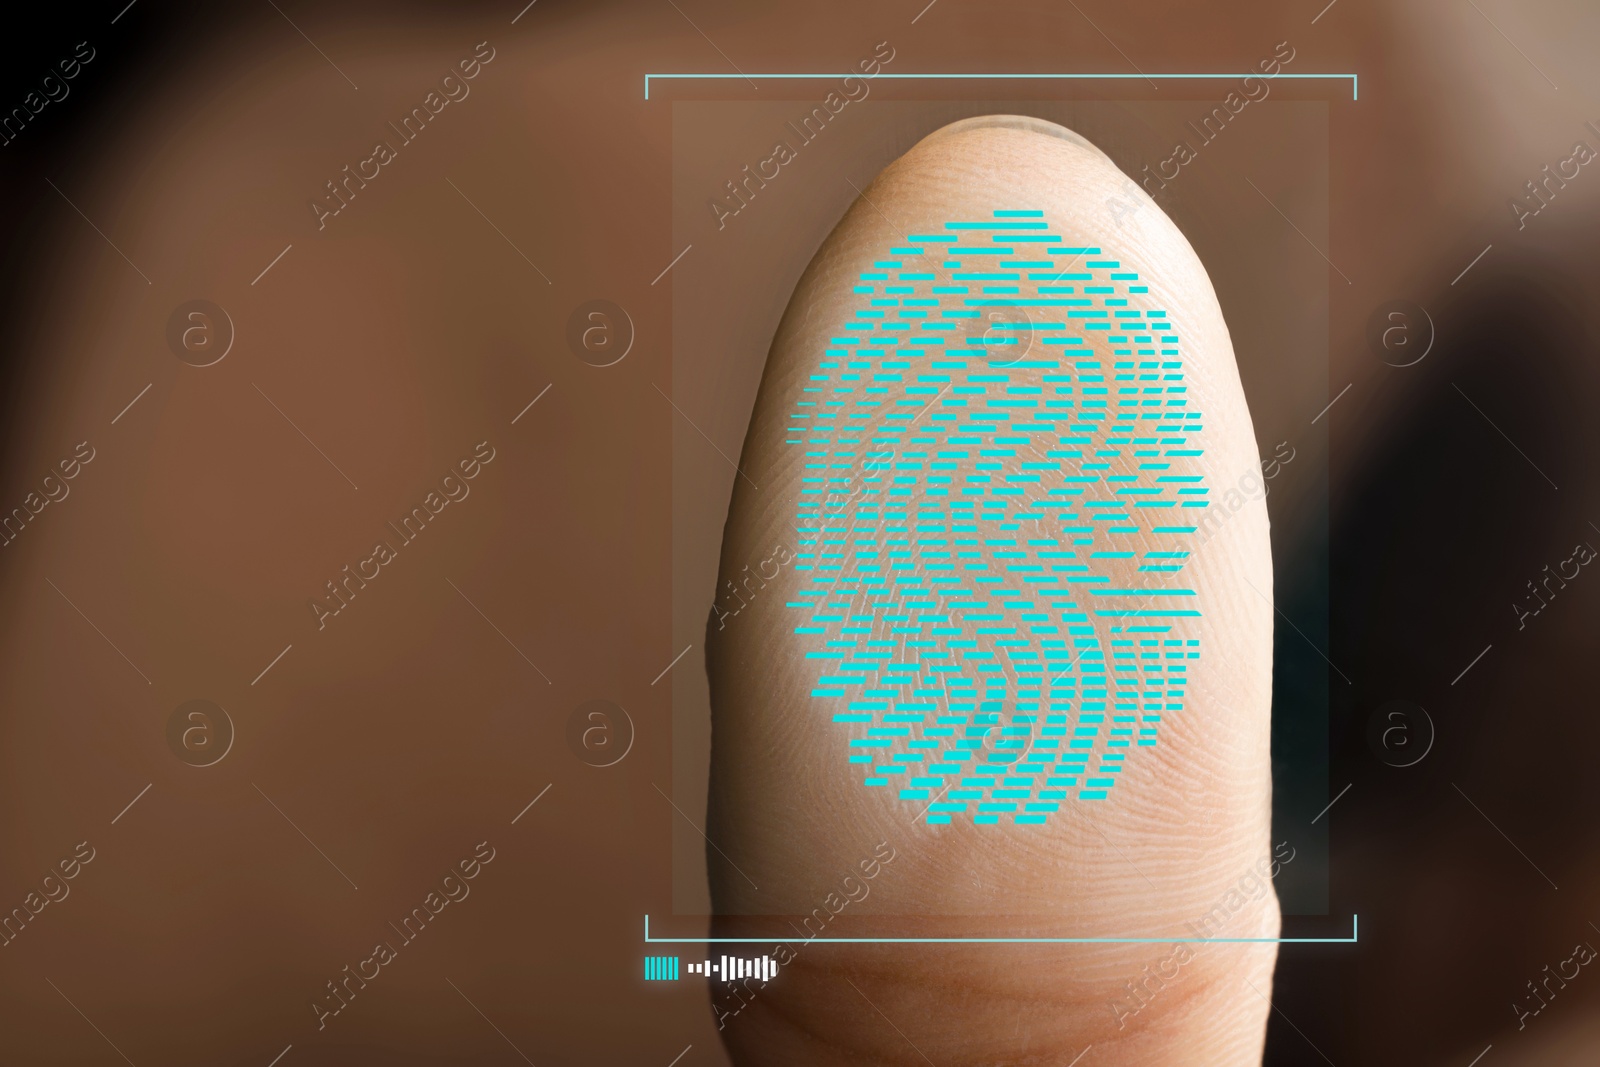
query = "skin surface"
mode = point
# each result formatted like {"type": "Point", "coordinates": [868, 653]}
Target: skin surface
{"type": "Point", "coordinates": [1189, 820]}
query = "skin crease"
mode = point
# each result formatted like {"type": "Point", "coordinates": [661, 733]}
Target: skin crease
{"type": "Point", "coordinates": [1189, 818]}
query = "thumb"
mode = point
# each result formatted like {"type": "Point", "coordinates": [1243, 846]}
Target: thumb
{"type": "Point", "coordinates": [1018, 665]}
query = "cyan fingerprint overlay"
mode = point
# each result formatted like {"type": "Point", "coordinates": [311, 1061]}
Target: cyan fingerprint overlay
{"type": "Point", "coordinates": [957, 486]}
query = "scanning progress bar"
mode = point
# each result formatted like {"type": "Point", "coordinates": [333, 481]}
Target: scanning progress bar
{"type": "Point", "coordinates": [1352, 939]}
{"type": "Point", "coordinates": [728, 968]}
{"type": "Point", "coordinates": [732, 968]}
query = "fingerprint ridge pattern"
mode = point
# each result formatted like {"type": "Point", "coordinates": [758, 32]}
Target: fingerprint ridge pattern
{"type": "Point", "coordinates": [957, 492]}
